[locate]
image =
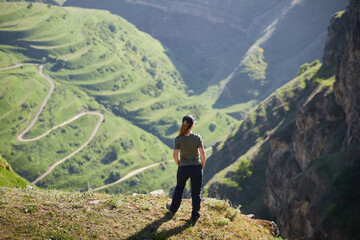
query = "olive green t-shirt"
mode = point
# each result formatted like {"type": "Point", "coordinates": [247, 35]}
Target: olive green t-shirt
{"type": "Point", "coordinates": [188, 145]}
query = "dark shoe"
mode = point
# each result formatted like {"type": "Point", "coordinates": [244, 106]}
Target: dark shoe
{"type": "Point", "coordinates": [168, 205]}
{"type": "Point", "coordinates": [193, 220]}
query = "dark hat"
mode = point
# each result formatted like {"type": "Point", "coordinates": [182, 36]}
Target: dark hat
{"type": "Point", "coordinates": [189, 119]}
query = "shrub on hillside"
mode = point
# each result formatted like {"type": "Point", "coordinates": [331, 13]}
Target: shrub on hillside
{"type": "Point", "coordinates": [126, 144]}
{"type": "Point", "coordinates": [244, 170]}
{"type": "Point", "coordinates": [112, 28]}
{"type": "Point", "coordinates": [113, 176]}
{"type": "Point", "coordinates": [110, 156]}
{"type": "Point", "coordinates": [74, 168]}
{"type": "Point", "coordinates": [306, 66]}
{"type": "Point", "coordinates": [212, 127]}
{"type": "Point", "coordinates": [160, 85]}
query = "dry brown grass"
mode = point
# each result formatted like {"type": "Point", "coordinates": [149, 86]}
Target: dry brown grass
{"type": "Point", "coordinates": [39, 214]}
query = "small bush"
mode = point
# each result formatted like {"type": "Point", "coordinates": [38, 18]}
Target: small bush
{"type": "Point", "coordinates": [212, 127]}
{"type": "Point", "coordinates": [111, 156]}
{"type": "Point", "coordinates": [231, 213]}
{"type": "Point", "coordinates": [218, 205]}
{"type": "Point", "coordinates": [74, 168]}
{"type": "Point", "coordinates": [127, 144]}
{"type": "Point", "coordinates": [112, 28]}
{"type": "Point", "coordinates": [112, 203]}
{"type": "Point", "coordinates": [244, 169]}
{"type": "Point", "coordinates": [114, 176]}
{"type": "Point", "coordinates": [160, 85]}
{"type": "Point", "coordinates": [306, 66]}
{"type": "Point", "coordinates": [190, 92]}
{"type": "Point", "coordinates": [151, 71]}
{"type": "Point", "coordinates": [221, 222]}
{"type": "Point", "coordinates": [315, 63]}
{"type": "Point", "coordinates": [30, 208]}
{"type": "Point", "coordinates": [145, 207]}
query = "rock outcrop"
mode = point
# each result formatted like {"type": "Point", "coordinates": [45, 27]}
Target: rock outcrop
{"type": "Point", "coordinates": [293, 187]}
{"type": "Point", "coordinates": [347, 85]}
{"type": "Point", "coordinates": [298, 193]}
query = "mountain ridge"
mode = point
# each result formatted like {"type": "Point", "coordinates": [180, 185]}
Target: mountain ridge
{"type": "Point", "coordinates": [193, 45]}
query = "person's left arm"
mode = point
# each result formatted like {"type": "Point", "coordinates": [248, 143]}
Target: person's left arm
{"type": "Point", "coordinates": [203, 156]}
{"type": "Point", "coordinates": [202, 152]}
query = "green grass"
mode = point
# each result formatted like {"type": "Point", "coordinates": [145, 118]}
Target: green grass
{"type": "Point", "coordinates": [247, 83]}
{"type": "Point", "coordinates": [339, 14]}
{"type": "Point", "coordinates": [9, 55]}
{"type": "Point", "coordinates": [255, 66]}
{"type": "Point", "coordinates": [33, 213]}
{"type": "Point", "coordinates": [159, 177]}
{"type": "Point", "coordinates": [232, 183]}
{"type": "Point", "coordinates": [306, 73]}
{"type": "Point", "coordinates": [95, 163]}
{"type": "Point", "coordinates": [8, 178]}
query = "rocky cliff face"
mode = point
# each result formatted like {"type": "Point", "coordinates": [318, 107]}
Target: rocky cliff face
{"type": "Point", "coordinates": [293, 187]}
{"type": "Point", "coordinates": [347, 86]}
{"type": "Point", "coordinates": [336, 39]}
{"type": "Point", "coordinates": [298, 193]}
{"type": "Point", "coordinates": [343, 49]}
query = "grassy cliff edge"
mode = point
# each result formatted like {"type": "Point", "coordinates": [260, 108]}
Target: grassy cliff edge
{"type": "Point", "coordinates": [34, 213]}
{"type": "Point", "coordinates": [8, 178]}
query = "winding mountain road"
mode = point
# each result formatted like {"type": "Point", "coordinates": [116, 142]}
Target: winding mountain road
{"type": "Point", "coordinates": [21, 138]}
{"type": "Point", "coordinates": [133, 173]}
{"type": "Point", "coordinates": [127, 176]}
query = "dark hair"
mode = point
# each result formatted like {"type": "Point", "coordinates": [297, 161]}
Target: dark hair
{"type": "Point", "coordinates": [185, 126]}
{"type": "Point", "coordinates": [187, 122]}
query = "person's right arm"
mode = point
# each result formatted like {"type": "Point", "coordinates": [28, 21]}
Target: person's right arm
{"type": "Point", "coordinates": [176, 156]}
{"type": "Point", "coordinates": [203, 156]}
{"type": "Point", "coordinates": [176, 151]}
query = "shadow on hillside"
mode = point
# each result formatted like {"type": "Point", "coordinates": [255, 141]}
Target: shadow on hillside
{"type": "Point", "coordinates": [150, 231]}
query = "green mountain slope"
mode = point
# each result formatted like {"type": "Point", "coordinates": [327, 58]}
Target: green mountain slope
{"type": "Point", "coordinates": [246, 48]}
{"type": "Point", "coordinates": [99, 63]}
{"type": "Point", "coordinates": [8, 178]}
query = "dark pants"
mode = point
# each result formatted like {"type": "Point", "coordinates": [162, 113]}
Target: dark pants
{"type": "Point", "coordinates": [195, 173]}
